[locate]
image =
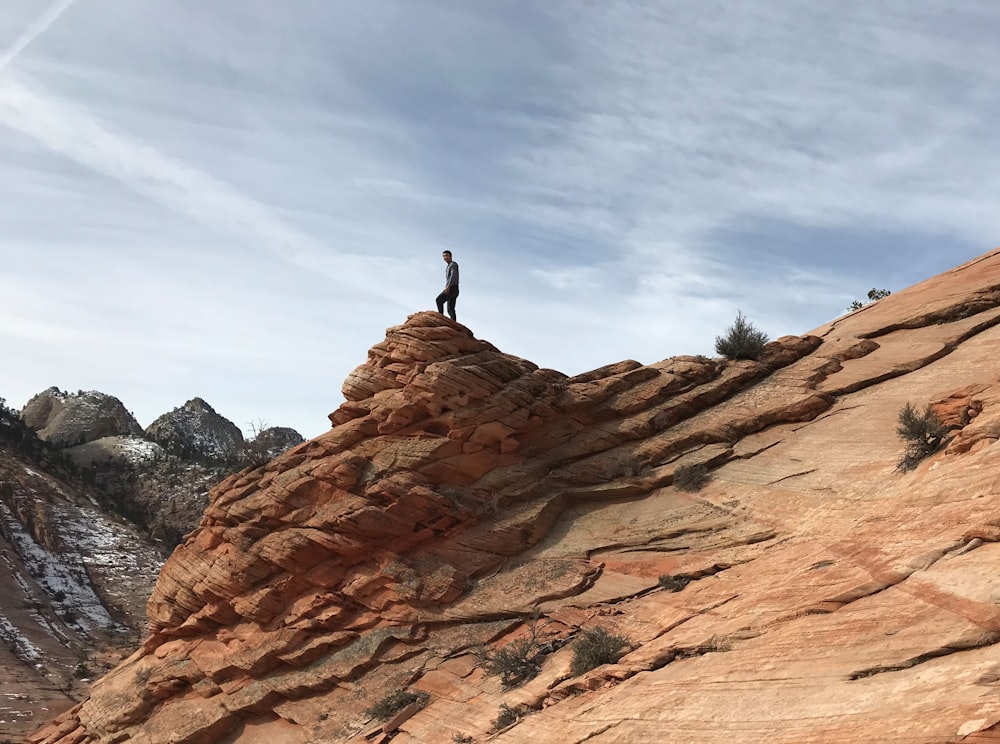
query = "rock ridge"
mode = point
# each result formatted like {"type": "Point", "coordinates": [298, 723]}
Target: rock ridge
{"type": "Point", "coordinates": [464, 494]}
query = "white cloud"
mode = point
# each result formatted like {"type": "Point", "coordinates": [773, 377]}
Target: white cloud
{"type": "Point", "coordinates": [208, 203]}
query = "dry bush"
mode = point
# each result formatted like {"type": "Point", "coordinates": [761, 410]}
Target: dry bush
{"type": "Point", "coordinates": [923, 433]}
{"type": "Point", "coordinates": [395, 702]}
{"type": "Point", "coordinates": [518, 661]}
{"type": "Point", "coordinates": [514, 663]}
{"type": "Point", "coordinates": [505, 717]}
{"type": "Point", "coordinates": [691, 477]}
{"type": "Point", "coordinates": [595, 647]}
{"type": "Point", "coordinates": [673, 583]}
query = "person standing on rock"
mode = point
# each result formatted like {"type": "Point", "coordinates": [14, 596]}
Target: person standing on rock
{"type": "Point", "coordinates": [450, 293]}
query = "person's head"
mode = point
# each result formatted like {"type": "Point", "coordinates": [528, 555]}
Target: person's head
{"type": "Point", "coordinates": [446, 255]}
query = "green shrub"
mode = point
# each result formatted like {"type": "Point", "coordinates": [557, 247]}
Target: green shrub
{"type": "Point", "coordinates": [506, 717]}
{"type": "Point", "coordinates": [595, 647]}
{"type": "Point", "coordinates": [462, 739]}
{"type": "Point", "coordinates": [395, 702]}
{"type": "Point", "coordinates": [873, 295]}
{"type": "Point", "coordinates": [691, 477]}
{"type": "Point", "coordinates": [742, 340]}
{"type": "Point", "coordinates": [673, 583]}
{"type": "Point", "coordinates": [514, 663]}
{"type": "Point", "coordinates": [923, 433]}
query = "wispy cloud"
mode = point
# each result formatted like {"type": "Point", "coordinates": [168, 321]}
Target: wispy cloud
{"type": "Point", "coordinates": [173, 184]}
{"type": "Point", "coordinates": [615, 177]}
{"type": "Point", "coordinates": [42, 24]}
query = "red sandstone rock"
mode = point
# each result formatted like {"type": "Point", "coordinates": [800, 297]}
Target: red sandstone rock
{"type": "Point", "coordinates": [462, 491]}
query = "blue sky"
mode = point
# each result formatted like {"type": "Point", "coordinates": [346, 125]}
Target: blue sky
{"type": "Point", "coordinates": [235, 200]}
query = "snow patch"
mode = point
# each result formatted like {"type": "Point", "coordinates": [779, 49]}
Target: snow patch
{"type": "Point", "coordinates": [93, 543]}
{"type": "Point", "coordinates": [137, 449]}
{"type": "Point", "coordinates": [20, 646]}
{"type": "Point", "coordinates": [64, 576]}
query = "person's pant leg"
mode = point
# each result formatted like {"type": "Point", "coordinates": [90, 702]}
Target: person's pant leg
{"type": "Point", "coordinates": [441, 298]}
{"type": "Point", "coordinates": [451, 303]}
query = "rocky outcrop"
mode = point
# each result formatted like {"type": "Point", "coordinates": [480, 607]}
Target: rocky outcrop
{"type": "Point", "coordinates": [195, 430]}
{"type": "Point", "coordinates": [68, 419]}
{"type": "Point", "coordinates": [276, 439]}
{"type": "Point", "coordinates": [465, 498]}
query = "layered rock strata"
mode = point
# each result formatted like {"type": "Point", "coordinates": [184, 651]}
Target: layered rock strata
{"type": "Point", "coordinates": [465, 498]}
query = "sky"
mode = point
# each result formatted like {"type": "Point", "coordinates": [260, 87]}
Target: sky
{"type": "Point", "coordinates": [235, 200]}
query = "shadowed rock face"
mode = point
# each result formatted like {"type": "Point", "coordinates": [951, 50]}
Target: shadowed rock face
{"type": "Point", "coordinates": [68, 419]}
{"type": "Point", "coordinates": [466, 497]}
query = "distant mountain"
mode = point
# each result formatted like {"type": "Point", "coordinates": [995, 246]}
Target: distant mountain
{"type": "Point", "coordinates": [269, 443]}
{"type": "Point", "coordinates": [68, 419]}
{"type": "Point", "coordinates": [196, 431]}
{"type": "Point", "coordinates": [277, 439]}
{"type": "Point", "coordinates": [158, 478]}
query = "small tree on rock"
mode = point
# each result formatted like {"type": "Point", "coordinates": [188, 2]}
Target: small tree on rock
{"type": "Point", "coordinates": [256, 450]}
{"type": "Point", "coordinates": [742, 340]}
{"type": "Point", "coordinates": [873, 296]}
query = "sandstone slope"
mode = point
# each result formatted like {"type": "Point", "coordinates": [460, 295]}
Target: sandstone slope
{"type": "Point", "coordinates": [466, 497]}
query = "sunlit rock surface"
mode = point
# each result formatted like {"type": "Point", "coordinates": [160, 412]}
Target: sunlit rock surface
{"type": "Point", "coordinates": [465, 498]}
